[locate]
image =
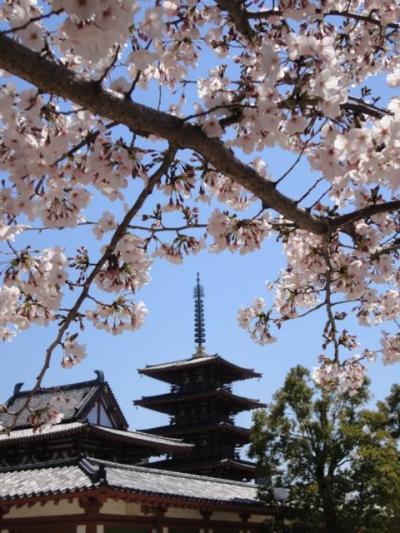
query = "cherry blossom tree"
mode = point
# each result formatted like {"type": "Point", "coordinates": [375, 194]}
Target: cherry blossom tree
{"type": "Point", "coordinates": [170, 113]}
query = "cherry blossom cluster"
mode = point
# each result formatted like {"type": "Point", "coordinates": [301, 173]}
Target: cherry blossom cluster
{"type": "Point", "coordinates": [44, 416]}
{"type": "Point", "coordinates": [127, 268]}
{"type": "Point", "coordinates": [230, 232]}
{"type": "Point", "coordinates": [73, 352]}
{"type": "Point", "coordinates": [122, 315]}
{"type": "Point", "coordinates": [347, 378]}
{"type": "Point", "coordinates": [257, 322]}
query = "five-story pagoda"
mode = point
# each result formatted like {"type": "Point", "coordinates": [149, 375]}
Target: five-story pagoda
{"type": "Point", "coordinates": [202, 407]}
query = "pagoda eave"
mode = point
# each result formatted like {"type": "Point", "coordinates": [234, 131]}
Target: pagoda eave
{"type": "Point", "coordinates": [237, 468]}
{"type": "Point", "coordinates": [242, 435]}
{"type": "Point", "coordinates": [170, 372]}
{"type": "Point", "coordinates": [168, 403]}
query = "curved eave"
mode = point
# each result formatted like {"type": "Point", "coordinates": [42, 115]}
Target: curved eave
{"type": "Point", "coordinates": [167, 403]}
{"type": "Point", "coordinates": [245, 467]}
{"type": "Point", "coordinates": [135, 438]}
{"type": "Point", "coordinates": [240, 433]}
{"type": "Point", "coordinates": [168, 372]}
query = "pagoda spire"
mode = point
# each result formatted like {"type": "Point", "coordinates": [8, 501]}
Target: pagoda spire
{"type": "Point", "coordinates": [199, 327]}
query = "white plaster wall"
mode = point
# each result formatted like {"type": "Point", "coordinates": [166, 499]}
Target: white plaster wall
{"type": "Point", "coordinates": [120, 507]}
{"type": "Point", "coordinates": [176, 512]}
{"type": "Point", "coordinates": [64, 507]}
{"type": "Point", "coordinates": [228, 517]}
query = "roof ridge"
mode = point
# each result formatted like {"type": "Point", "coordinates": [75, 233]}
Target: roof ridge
{"type": "Point", "coordinates": [184, 360]}
{"type": "Point", "coordinates": [134, 431]}
{"type": "Point", "coordinates": [170, 473]}
{"type": "Point", "coordinates": [46, 464]}
{"type": "Point", "coordinates": [200, 360]}
{"type": "Point", "coordinates": [55, 388]}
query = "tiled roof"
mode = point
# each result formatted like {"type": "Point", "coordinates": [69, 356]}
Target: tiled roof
{"type": "Point", "coordinates": [33, 481]}
{"type": "Point", "coordinates": [160, 370]}
{"type": "Point", "coordinates": [87, 473]}
{"type": "Point", "coordinates": [147, 439]}
{"type": "Point", "coordinates": [82, 394]}
{"type": "Point", "coordinates": [135, 437]}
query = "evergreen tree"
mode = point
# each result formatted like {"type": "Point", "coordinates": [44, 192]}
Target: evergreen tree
{"type": "Point", "coordinates": [339, 459]}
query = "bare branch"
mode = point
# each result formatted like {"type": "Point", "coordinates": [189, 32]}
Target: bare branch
{"type": "Point", "coordinates": [328, 299]}
{"type": "Point", "coordinates": [304, 196]}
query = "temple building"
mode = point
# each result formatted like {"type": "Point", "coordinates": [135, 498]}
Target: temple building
{"type": "Point", "coordinates": [92, 425]}
{"type": "Point", "coordinates": [89, 473]}
{"type": "Point", "coordinates": [202, 407]}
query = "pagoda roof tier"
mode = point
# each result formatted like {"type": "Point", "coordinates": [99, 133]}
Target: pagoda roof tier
{"type": "Point", "coordinates": [170, 372]}
{"type": "Point", "coordinates": [168, 403]}
{"type": "Point", "coordinates": [241, 468]}
{"type": "Point", "coordinates": [241, 434]}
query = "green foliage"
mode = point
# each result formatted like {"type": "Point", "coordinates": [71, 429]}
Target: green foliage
{"type": "Point", "coordinates": [339, 459]}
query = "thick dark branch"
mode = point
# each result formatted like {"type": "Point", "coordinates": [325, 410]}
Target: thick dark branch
{"type": "Point", "coordinates": [239, 16]}
{"type": "Point", "coordinates": [364, 212]}
{"type": "Point", "coordinates": [363, 18]}
{"type": "Point", "coordinates": [358, 106]}
{"type": "Point", "coordinates": [58, 80]}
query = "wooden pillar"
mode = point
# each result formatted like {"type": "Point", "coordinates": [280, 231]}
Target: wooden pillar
{"type": "Point", "coordinates": [158, 513]}
{"type": "Point", "coordinates": [91, 506]}
{"type": "Point", "coordinates": [205, 525]}
{"type": "Point", "coordinates": [3, 511]}
{"type": "Point", "coordinates": [245, 517]}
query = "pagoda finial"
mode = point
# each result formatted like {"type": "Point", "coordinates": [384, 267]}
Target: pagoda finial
{"type": "Point", "coordinates": [199, 327]}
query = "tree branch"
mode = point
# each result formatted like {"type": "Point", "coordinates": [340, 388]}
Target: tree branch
{"type": "Point", "coordinates": [265, 14]}
{"type": "Point", "coordinates": [239, 16]}
{"type": "Point", "coordinates": [364, 212]}
{"type": "Point", "coordinates": [118, 234]}
{"type": "Point", "coordinates": [60, 81]}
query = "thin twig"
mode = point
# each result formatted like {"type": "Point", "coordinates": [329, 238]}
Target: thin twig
{"type": "Point", "coordinates": [32, 20]}
{"type": "Point", "coordinates": [90, 138]}
{"type": "Point", "coordinates": [309, 191]}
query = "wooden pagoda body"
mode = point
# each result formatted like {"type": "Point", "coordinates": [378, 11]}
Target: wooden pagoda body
{"type": "Point", "coordinates": [202, 407]}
